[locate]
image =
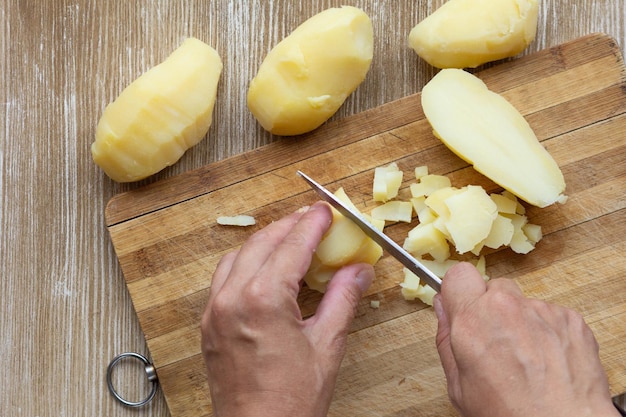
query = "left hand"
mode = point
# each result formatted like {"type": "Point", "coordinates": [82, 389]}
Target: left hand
{"type": "Point", "coordinates": [262, 358]}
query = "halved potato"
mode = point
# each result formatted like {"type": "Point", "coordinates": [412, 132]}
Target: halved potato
{"type": "Point", "coordinates": [488, 132]}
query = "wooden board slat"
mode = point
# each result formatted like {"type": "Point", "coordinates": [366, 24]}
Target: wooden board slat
{"type": "Point", "coordinates": [574, 96]}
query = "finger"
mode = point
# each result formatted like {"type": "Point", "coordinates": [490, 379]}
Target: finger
{"type": "Point", "coordinates": [291, 258]}
{"type": "Point", "coordinates": [335, 312]}
{"type": "Point", "coordinates": [444, 347]}
{"type": "Point", "coordinates": [504, 284]}
{"type": "Point", "coordinates": [461, 285]}
{"type": "Point", "coordinates": [256, 250]}
{"type": "Point", "coordinates": [222, 271]}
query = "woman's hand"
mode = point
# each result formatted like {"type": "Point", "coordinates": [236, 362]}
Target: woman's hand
{"type": "Point", "coordinates": [505, 355]}
{"type": "Point", "coordinates": [262, 358]}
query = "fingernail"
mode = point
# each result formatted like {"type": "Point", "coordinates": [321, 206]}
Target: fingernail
{"type": "Point", "coordinates": [438, 307]}
{"type": "Point", "coordinates": [364, 278]}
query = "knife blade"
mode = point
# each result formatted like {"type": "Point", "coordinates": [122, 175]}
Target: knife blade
{"type": "Point", "coordinates": [382, 239]}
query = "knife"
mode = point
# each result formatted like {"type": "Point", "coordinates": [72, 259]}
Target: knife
{"type": "Point", "coordinates": [382, 239]}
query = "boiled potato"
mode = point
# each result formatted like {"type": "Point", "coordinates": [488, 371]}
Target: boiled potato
{"type": "Point", "coordinates": [471, 218]}
{"type": "Point", "coordinates": [488, 132]}
{"type": "Point", "coordinates": [394, 211]}
{"type": "Point", "coordinates": [387, 182]}
{"type": "Point", "coordinates": [468, 33]}
{"type": "Point", "coordinates": [306, 77]}
{"type": "Point", "coordinates": [160, 115]}
{"type": "Point", "coordinates": [344, 243]}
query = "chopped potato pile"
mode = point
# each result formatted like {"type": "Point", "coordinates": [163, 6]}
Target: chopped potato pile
{"type": "Point", "coordinates": [467, 218]}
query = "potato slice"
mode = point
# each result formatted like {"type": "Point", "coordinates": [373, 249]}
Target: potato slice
{"type": "Point", "coordinates": [424, 239]}
{"type": "Point", "coordinates": [387, 182]}
{"type": "Point", "coordinates": [159, 115]}
{"type": "Point", "coordinates": [394, 211]}
{"type": "Point", "coordinates": [306, 77]}
{"type": "Point", "coordinates": [468, 33]}
{"type": "Point", "coordinates": [488, 132]}
{"type": "Point", "coordinates": [472, 213]}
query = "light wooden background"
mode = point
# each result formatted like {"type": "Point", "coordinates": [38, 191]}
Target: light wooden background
{"type": "Point", "coordinates": [64, 308]}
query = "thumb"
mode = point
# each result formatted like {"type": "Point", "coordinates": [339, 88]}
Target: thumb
{"type": "Point", "coordinates": [336, 311]}
{"type": "Point", "coordinates": [444, 346]}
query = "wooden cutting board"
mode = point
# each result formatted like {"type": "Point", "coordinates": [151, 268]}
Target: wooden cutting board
{"type": "Point", "coordinates": [574, 96]}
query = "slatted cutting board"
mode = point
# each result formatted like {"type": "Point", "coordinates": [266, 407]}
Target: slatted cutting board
{"type": "Point", "coordinates": [574, 97]}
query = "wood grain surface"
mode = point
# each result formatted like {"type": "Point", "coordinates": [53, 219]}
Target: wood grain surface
{"type": "Point", "coordinates": [168, 241]}
{"type": "Point", "coordinates": [66, 311]}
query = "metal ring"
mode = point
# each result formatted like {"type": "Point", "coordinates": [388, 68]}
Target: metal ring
{"type": "Point", "coordinates": [150, 374]}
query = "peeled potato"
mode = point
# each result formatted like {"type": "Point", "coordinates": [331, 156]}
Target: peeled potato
{"type": "Point", "coordinates": [160, 115]}
{"type": "Point", "coordinates": [306, 77]}
{"type": "Point", "coordinates": [468, 33]}
{"type": "Point", "coordinates": [343, 243]}
{"type": "Point", "coordinates": [488, 132]}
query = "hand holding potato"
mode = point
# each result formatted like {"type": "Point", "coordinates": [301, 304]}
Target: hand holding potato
{"type": "Point", "coordinates": [262, 358]}
{"type": "Point", "coordinates": [505, 355]}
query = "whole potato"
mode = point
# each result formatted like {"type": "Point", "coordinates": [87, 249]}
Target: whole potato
{"type": "Point", "coordinates": [306, 77]}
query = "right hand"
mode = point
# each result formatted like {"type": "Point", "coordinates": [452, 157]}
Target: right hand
{"type": "Point", "coordinates": [505, 355]}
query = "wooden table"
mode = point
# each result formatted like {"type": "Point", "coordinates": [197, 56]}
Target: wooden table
{"type": "Point", "coordinates": [65, 310]}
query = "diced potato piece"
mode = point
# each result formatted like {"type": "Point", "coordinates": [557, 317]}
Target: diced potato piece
{"type": "Point", "coordinates": [160, 115]}
{"type": "Point", "coordinates": [426, 215]}
{"type": "Point", "coordinates": [395, 211]}
{"type": "Point", "coordinates": [429, 184]}
{"type": "Point", "coordinates": [437, 201]}
{"type": "Point", "coordinates": [238, 220]}
{"type": "Point", "coordinates": [377, 223]}
{"type": "Point", "coordinates": [412, 289]}
{"type": "Point", "coordinates": [487, 131]}
{"type": "Point", "coordinates": [306, 77]}
{"type": "Point", "coordinates": [501, 232]}
{"type": "Point", "coordinates": [519, 241]}
{"type": "Point", "coordinates": [426, 239]}
{"type": "Point", "coordinates": [505, 205]}
{"type": "Point", "coordinates": [468, 33]}
{"type": "Point", "coordinates": [532, 232]}
{"type": "Point", "coordinates": [421, 171]}
{"type": "Point", "coordinates": [472, 213]}
{"type": "Point", "coordinates": [439, 268]}
{"type": "Point", "coordinates": [387, 182]}
{"type": "Point", "coordinates": [419, 203]}
{"type": "Point", "coordinates": [375, 304]}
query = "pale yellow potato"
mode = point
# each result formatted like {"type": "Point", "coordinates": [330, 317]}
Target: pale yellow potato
{"type": "Point", "coordinates": [424, 239]}
{"type": "Point", "coordinates": [238, 220]}
{"type": "Point", "coordinates": [306, 77]}
{"type": "Point", "coordinates": [421, 171]}
{"type": "Point", "coordinates": [468, 33]}
{"type": "Point", "coordinates": [344, 243]}
{"type": "Point", "coordinates": [387, 182]}
{"type": "Point", "coordinates": [505, 204]}
{"type": "Point", "coordinates": [341, 242]}
{"type": "Point", "coordinates": [501, 232]}
{"type": "Point", "coordinates": [472, 214]}
{"type": "Point", "coordinates": [428, 184]}
{"type": "Point", "coordinates": [394, 211]}
{"type": "Point", "coordinates": [160, 115]}
{"type": "Point", "coordinates": [488, 132]}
